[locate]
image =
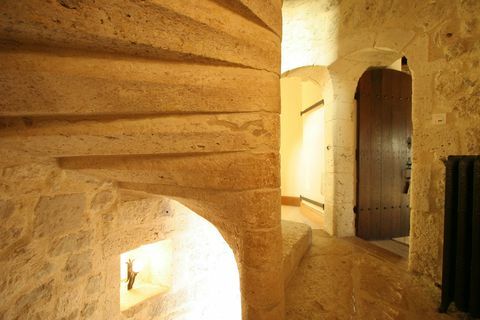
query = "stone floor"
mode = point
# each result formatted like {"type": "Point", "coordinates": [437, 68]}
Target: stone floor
{"type": "Point", "coordinates": [291, 213]}
{"type": "Point", "coordinates": [352, 279]}
{"type": "Point", "coordinates": [394, 246]}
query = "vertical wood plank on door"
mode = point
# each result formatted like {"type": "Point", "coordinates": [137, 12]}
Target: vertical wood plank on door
{"type": "Point", "coordinates": [376, 153]}
{"type": "Point", "coordinates": [384, 125]}
{"type": "Point", "coordinates": [399, 146]}
{"type": "Point", "coordinates": [364, 151]}
{"type": "Point", "coordinates": [387, 105]}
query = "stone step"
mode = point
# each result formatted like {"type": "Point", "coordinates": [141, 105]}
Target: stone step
{"type": "Point", "coordinates": [297, 239]}
{"type": "Point", "coordinates": [133, 28]}
{"type": "Point", "coordinates": [168, 134]}
{"type": "Point", "coordinates": [63, 83]}
{"type": "Point", "coordinates": [217, 171]}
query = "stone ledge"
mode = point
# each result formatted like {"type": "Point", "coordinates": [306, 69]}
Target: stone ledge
{"type": "Point", "coordinates": [297, 239]}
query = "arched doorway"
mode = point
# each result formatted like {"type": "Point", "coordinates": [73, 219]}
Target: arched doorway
{"type": "Point", "coordinates": [187, 268]}
{"type": "Point", "coordinates": [302, 146]}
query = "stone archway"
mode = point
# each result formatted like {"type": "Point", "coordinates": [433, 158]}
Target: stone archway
{"type": "Point", "coordinates": [253, 233]}
{"type": "Point", "coordinates": [340, 123]}
{"type": "Point", "coordinates": [441, 52]}
{"type": "Point", "coordinates": [302, 146]}
{"type": "Point", "coordinates": [198, 278]}
{"type": "Point", "coordinates": [340, 80]}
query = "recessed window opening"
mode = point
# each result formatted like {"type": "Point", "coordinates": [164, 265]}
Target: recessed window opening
{"type": "Point", "coordinates": [145, 272]}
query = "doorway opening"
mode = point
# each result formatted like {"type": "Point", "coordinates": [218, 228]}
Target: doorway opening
{"type": "Point", "coordinates": [175, 263]}
{"type": "Point", "coordinates": [384, 160]}
{"type": "Point", "coordinates": [302, 147]}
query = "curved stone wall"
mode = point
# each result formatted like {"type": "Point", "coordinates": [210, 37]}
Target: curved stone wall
{"type": "Point", "coordinates": [164, 97]}
{"type": "Point", "coordinates": [62, 235]}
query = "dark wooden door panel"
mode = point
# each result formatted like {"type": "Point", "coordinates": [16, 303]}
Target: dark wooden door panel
{"type": "Point", "coordinates": [384, 128]}
{"type": "Point", "coordinates": [386, 190]}
{"type": "Point", "coordinates": [399, 147]}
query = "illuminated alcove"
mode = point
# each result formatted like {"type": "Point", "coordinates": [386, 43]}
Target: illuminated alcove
{"type": "Point", "coordinates": [150, 273]}
{"type": "Point", "coordinates": [188, 272]}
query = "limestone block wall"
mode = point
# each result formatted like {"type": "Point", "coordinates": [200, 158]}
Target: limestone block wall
{"type": "Point", "coordinates": [172, 98]}
{"type": "Point", "coordinates": [440, 40]}
{"type": "Point", "coordinates": [61, 244]}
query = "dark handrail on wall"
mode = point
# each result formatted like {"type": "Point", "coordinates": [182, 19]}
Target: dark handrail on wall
{"type": "Point", "coordinates": [321, 205]}
{"type": "Point", "coordinates": [313, 106]}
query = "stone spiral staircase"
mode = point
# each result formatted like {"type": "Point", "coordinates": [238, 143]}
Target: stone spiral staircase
{"type": "Point", "coordinates": [166, 97]}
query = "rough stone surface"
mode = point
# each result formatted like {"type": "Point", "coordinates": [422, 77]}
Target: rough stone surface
{"type": "Point", "coordinates": [74, 279]}
{"type": "Point", "coordinates": [167, 34]}
{"type": "Point", "coordinates": [88, 310]}
{"type": "Point", "coordinates": [297, 239]}
{"type": "Point", "coordinates": [440, 41]}
{"type": "Point", "coordinates": [71, 243]}
{"type": "Point", "coordinates": [43, 293]}
{"type": "Point", "coordinates": [212, 172]}
{"type": "Point", "coordinates": [59, 214]}
{"type": "Point", "coordinates": [94, 284]}
{"type": "Point", "coordinates": [171, 98]}
{"type": "Point", "coordinates": [78, 265]}
{"type": "Point", "coordinates": [58, 83]}
{"type": "Point", "coordinates": [353, 279]}
{"type": "Point", "coordinates": [6, 209]}
{"type": "Point", "coordinates": [102, 201]}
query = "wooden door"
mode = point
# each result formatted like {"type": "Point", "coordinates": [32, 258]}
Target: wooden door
{"type": "Point", "coordinates": [384, 151]}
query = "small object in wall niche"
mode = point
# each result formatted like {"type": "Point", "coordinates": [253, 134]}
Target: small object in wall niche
{"type": "Point", "coordinates": [132, 273]}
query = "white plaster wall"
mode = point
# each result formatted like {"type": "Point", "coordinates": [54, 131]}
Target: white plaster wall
{"type": "Point", "coordinates": [313, 155]}
{"type": "Point", "coordinates": [291, 136]}
{"type": "Point", "coordinates": [313, 142]}
{"type": "Point", "coordinates": [305, 175]}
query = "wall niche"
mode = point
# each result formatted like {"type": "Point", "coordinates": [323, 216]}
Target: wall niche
{"type": "Point", "coordinates": [145, 272]}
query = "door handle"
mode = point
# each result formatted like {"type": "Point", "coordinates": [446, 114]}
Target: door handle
{"type": "Point", "coordinates": [407, 173]}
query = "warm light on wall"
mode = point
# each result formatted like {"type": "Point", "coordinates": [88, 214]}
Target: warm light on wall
{"type": "Point", "coordinates": [307, 30]}
{"type": "Point", "coordinates": [193, 271]}
{"type": "Point", "coordinates": [137, 266]}
{"type": "Point", "coordinates": [313, 155]}
{"type": "Point", "coordinates": [205, 267]}
{"type": "Point", "coordinates": [152, 272]}
{"type": "Point", "coordinates": [303, 133]}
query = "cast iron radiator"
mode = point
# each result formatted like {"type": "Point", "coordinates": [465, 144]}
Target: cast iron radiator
{"type": "Point", "coordinates": [461, 246]}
